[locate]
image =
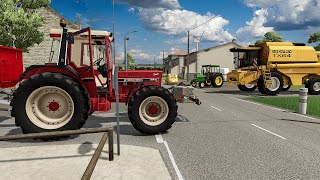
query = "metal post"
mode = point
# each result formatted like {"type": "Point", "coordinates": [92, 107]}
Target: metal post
{"type": "Point", "coordinates": [303, 96]}
{"type": "Point", "coordinates": [116, 91]}
{"type": "Point", "coordinates": [125, 54]}
{"type": "Point", "coordinates": [187, 61]}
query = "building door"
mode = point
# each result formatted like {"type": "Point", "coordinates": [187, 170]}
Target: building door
{"type": "Point", "coordinates": [183, 72]}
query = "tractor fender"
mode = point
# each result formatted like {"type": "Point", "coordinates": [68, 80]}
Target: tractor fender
{"type": "Point", "coordinates": [38, 69]}
{"type": "Point", "coordinates": [132, 90]}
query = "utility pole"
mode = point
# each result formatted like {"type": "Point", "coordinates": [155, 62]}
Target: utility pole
{"type": "Point", "coordinates": [113, 33]}
{"type": "Point", "coordinates": [125, 54]}
{"type": "Point", "coordinates": [154, 62]}
{"type": "Point", "coordinates": [187, 61]}
{"type": "Point", "coordinates": [163, 61]}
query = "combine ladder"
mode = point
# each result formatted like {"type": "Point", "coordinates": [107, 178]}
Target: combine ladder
{"type": "Point", "coordinates": [267, 77]}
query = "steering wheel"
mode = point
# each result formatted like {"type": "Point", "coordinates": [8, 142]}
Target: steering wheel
{"type": "Point", "coordinates": [97, 62]}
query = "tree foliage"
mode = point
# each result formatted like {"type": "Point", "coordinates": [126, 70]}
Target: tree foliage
{"type": "Point", "coordinates": [315, 38]}
{"type": "Point", "coordinates": [19, 23]}
{"type": "Point", "coordinates": [270, 37]}
{"type": "Point", "coordinates": [131, 61]}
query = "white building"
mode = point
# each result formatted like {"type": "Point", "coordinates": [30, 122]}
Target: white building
{"type": "Point", "coordinates": [218, 55]}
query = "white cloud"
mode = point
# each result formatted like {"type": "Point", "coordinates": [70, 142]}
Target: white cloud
{"type": "Point", "coordinates": [178, 21]}
{"type": "Point", "coordinates": [255, 27]}
{"type": "Point", "coordinates": [289, 14]}
{"type": "Point", "coordinates": [131, 10]}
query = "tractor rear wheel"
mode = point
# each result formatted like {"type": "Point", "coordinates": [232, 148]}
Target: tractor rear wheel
{"type": "Point", "coordinates": [247, 87]}
{"type": "Point", "coordinates": [152, 110]}
{"type": "Point", "coordinates": [50, 102]}
{"type": "Point", "coordinates": [277, 84]}
{"type": "Point", "coordinates": [217, 80]}
{"type": "Point", "coordinates": [193, 83]}
{"type": "Point", "coordinates": [313, 86]}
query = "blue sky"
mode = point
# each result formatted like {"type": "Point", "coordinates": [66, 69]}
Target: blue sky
{"type": "Point", "coordinates": [163, 24]}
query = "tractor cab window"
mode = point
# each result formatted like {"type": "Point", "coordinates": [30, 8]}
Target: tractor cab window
{"type": "Point", "coordinates": [246, 58]}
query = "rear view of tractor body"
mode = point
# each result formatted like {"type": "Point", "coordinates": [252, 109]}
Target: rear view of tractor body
{"type": "Point", "coordinates": [275, 66]}
{"type": "Point", "coordinates": [62, 95]}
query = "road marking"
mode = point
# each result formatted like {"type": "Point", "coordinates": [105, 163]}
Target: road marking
{"type": "Point", "coordinates": [216, 108]}
{"type": "Point", "coordinates": [159, 138]}
{"type": "Point", "coordinates": [306, 116]}
{"type": "Point", "coordinates": [268, 131]}
{"type": "Point", "coordinates": [175, 166]}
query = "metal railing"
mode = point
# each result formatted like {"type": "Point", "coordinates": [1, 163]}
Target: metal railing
{"type": "Point", "coordinates": [108, 135]}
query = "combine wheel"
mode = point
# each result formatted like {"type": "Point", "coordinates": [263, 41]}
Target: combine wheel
{"type": "Point", "coordinates": [152, 110]}
{"type": "Point", "coordinates": [193, 83]}
{"type": "Point", "coordinates": [286, 87]}
{"type": "Point", "coordinates": [217, 81]}
{"type": "Point", "coordinates": [247, 87]}
{"type": "Point", "coordinates": [277, 85]}
{"type": "Point", "coordinates": [202, 84]}
{"type": "Point", "coordinates": [50, 102]}
{"type": "Point", "coordinates": [313, 86]}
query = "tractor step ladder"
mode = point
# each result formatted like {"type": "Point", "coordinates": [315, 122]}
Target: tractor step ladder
{"type": "Point", "coordinates": [267, 77]}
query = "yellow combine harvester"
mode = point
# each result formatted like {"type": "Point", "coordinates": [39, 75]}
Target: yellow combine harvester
{"type": "Point", "coordinates": [275, 66]}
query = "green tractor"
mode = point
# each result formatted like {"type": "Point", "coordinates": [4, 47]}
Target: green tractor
{"type": "Point", "coordinates": [210, 76]}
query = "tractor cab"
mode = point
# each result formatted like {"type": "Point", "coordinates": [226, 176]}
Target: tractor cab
{"type": "Point", "coordinates": [246, 56]}
{"type": "Point", "coordinates": [210, 69]}
{"type": "Point", "coordinates": [87, 52]}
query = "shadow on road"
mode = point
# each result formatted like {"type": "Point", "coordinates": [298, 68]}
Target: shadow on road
{"type": "Point", "coordinates": [293, 120]}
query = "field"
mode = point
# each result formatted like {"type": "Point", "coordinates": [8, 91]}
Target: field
{"type": "Point", "coordinates": [291, 103]}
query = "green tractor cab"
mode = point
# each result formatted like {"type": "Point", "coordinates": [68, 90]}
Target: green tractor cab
{"type": "Point", "coordinates": [210, 76]}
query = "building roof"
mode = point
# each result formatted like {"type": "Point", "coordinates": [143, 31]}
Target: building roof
{"type": "Point", "coordinates": [221, 45]}
{"type": "Point", "coordinates": [179, 53]}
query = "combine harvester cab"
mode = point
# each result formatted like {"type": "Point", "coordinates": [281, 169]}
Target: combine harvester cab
{"type": "Point", "coordinates": [275, 66]}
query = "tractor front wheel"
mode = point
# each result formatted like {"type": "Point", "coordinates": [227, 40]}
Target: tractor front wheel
{"type": "Point", "coordinates": [202, 84]}
{"type": "Point", "coordinates": [286, 87]}
{"type": "Point", "coordinates": [152, 110]}
{"type": "Point", "coordinates": [194, 83]}
{"type": "Point", "coordinates": [50, 102]}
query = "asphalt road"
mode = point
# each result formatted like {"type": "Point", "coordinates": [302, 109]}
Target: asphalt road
{"type": "Point", "coordinates": [224, 138]}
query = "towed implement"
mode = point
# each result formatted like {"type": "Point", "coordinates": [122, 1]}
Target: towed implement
{"type": "Point", "coordinates": [273, 67]}
{"type": "Point", "coordinates": [62, 95]}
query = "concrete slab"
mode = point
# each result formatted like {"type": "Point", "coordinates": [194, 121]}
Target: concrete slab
{"type": "Point", "coordinates": [70, 161]}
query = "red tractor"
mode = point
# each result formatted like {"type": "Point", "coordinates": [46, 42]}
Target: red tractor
{"type": "Point", "coordinates": [62, 95]}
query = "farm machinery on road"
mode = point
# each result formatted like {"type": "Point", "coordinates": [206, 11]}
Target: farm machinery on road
{"type": "Point", "coordinates": [275, 66]}
{"type": "Point", "coordinates": [62, 95]}
{"type": "Point", "coordinates": [210, 76]}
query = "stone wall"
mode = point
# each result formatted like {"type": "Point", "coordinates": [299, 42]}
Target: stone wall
{"type": "Point", "coordinates": [39, 54]}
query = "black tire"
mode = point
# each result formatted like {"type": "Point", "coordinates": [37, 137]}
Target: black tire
{"type": "Point", "coordinates": [208, 83]}
{"type": "Point", "coordinates": [260, 85]}
{"type": "Point", "coordinates": [202, 84]}
{"type": "Point", "coordinates": [137, 100]}
{"type": "Point", "coordinates": [286, 88]}
{"type": "Point", "coordinates": [213, 80]}
{"type": "Point", "coordinates": [193, 83]}
{"type": "Point", "coordinates": [78, 94]}
{"type": "Point", "coordinates": [267, 91]}
{"type": "Point", "coordinates": [246, 89]}
{"type": "Point", "coordinates": [311, 86]}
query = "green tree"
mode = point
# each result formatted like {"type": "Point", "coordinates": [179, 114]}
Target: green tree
{"type": "Point", "coordinates": [315, 38]}
{"type": "Point", "coordinates": [19, 23]}
{"type": "Point", "coordinates": [131, 61]}
{"type": "Point", "coordinates": [270, 37]}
